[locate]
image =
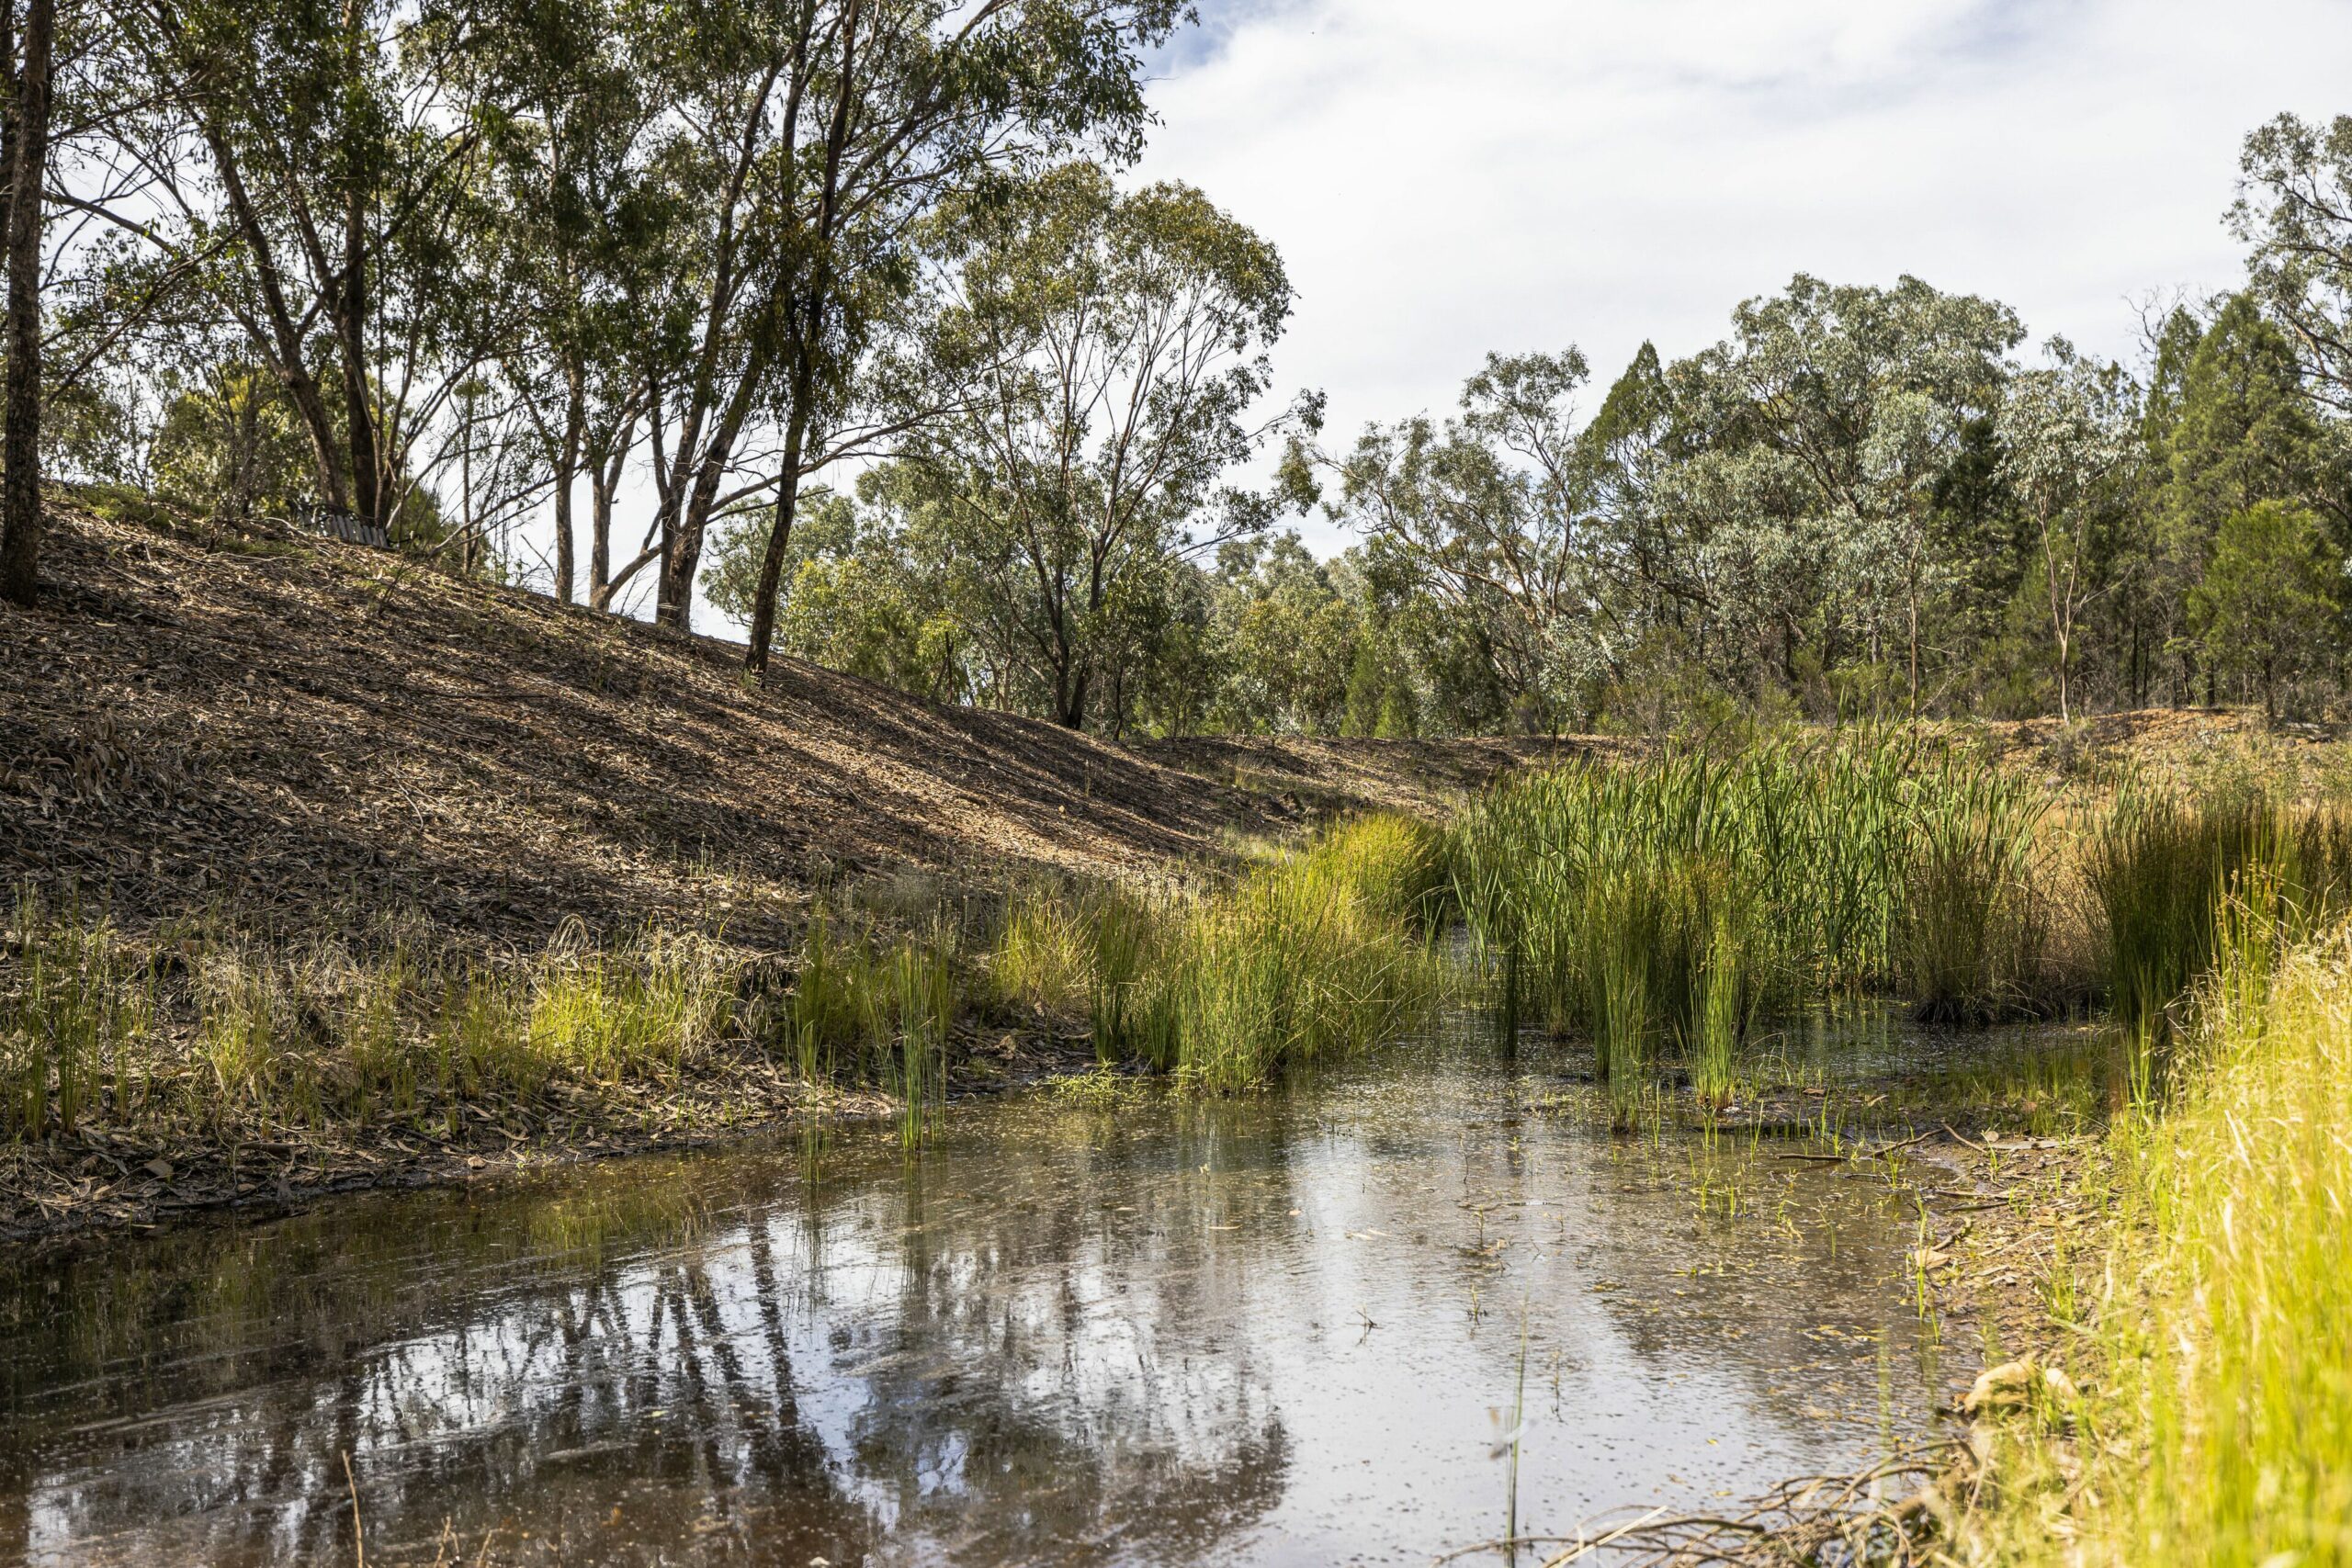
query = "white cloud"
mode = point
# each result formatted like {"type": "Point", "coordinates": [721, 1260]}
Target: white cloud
{"type": "Point", "coordinates": [1450, 176]}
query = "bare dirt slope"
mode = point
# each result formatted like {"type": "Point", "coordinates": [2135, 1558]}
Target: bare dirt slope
{"type": "Point", "coordinates": [296, 724]}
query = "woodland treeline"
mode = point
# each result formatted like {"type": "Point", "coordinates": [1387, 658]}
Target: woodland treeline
{"type": "Point", "coordinates": [846, 317]}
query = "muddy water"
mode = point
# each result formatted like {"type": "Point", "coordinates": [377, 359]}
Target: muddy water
{"type": "Point", "coordinates": [1281, 1331]}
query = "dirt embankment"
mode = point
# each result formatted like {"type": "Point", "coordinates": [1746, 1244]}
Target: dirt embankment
{"type": "Point", "coordinates": [299, 727]}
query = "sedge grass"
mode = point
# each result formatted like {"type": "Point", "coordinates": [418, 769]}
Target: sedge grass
{"type": "Point", "coordinates": [1309, 955]}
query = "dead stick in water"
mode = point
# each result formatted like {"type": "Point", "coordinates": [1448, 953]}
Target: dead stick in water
{"type": "Point", "coordinates": [358, 1541]}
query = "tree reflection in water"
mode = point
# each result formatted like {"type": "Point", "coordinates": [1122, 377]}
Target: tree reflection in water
{"type": "Point", "coordinates": [1060, 1335]}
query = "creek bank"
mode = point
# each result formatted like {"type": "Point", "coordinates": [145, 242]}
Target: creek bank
{"type": "Point", "coordinates": [97, 1180]}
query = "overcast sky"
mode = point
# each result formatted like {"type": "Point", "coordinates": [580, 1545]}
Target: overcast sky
{"type": "Point", "coordinates": [1445, 178]}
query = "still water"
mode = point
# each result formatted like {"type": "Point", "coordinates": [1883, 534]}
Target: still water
{"type": "Point", "coordinates": [1288, 1330]}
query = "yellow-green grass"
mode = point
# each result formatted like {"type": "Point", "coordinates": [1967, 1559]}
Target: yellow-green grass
{"type": "Point", "coordinates": [214, 1029]}
{"type": "Point", "coordinates": [1307, 955]}
{"type": "Point", "coordinates": [2218, 1424]}
{"type": "Point", "coordinates": [218, 1028]}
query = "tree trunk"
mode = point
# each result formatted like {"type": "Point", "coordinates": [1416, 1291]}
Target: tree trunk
{"type": "Point", "coordinates": [285, 347]}
{"type": "Point", "coordinates": [567, 469]}
{"type": "Point", "coordinates": [1913, 608]}
{"type": "Point", "coordinates": [2065, 711]}
{"type": "Point", "coordinates": [20, 520]}
{"type": "Point", "coordinates": [609, 452]}
{"type": "Point", "coordinates": [358, 411]}
{"type": "Point", "coordinates": [682, 533]}
{"type": "Point", "coordinates": [367, 490]}
{"type": "Point", "coordinates": [788, 501]}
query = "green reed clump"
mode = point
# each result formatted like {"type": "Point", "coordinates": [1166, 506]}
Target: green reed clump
{"type": "Point", "coordinates": [2162, 870]}
{"type": "Point", "coordinates": [827, 1018]}
{"type": "Point", "coordinates": [1701, 891]}
{"type": "Point", "coordinates": [1316, 956]}
{"type": "Point", "coordinates": [1043, 959]}
{"type": "Point", "coordinates": [1064, 950]}
{"type": "Point", "coordinates": [1309, 954]}
{"type": "Point", "coordinates": [1130, 1006]}
{"type": "Point", "coordinates": [1397, 866]}
{"type": "Point", "coordinates": [206, 1025]}
{"type": "Point", "coordinates": [246, 1027]}
{"type": "Point", "coordinates": [875, 1008]}
{"type": "Point", "coordinates": [1974, 923]}
{"type": "Point", "coordinates": [1729, 993]}
{"type": "Point", "coordinates": [911, 1044]}
{"type": "Point", "coordinates": [478, 1044]}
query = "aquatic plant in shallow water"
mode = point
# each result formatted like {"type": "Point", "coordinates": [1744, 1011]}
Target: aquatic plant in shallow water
{"type": "Point", "coordinates": [1292, 965]}
{"type": "Point", "coordinates": [1730, 887]}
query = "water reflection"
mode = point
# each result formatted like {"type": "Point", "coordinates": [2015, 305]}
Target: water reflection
{"type": "Point", "coordinates": [1276, 1331]}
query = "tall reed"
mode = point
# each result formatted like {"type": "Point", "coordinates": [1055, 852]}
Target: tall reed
{"type": "Point", "coordinates": [2162, 868]}
{"type": "Point", "coordinates": [1298, 963]}
{"type": "Point", "coordinates": [1310, 955]}
{"type": "Point", "coordinates": [1704, 890]}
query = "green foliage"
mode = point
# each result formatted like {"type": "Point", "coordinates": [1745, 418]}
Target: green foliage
{"type": "Point", "coordinates": [1118, 342]}
{"type": "Point", "coordinates": [2271, 600]}
{"type": "Point", "coordinates": [233, 448]}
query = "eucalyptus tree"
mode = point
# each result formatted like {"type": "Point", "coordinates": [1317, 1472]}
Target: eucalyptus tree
{"type": "Point", "coordinates": [571, 234]}
{"type": "Point", "coordinates": [894, 109]}
{"type": "Point", "coordinates": [802, 146]}
{"type": "Point", "coordinates": [1494, 510]}
{"type": "Point", "coordinates": [2069, 438]}
{"type": "Point", "coordinates": [1825, 427]}
{"type": "Point", "coordinates": [1119, 350]}
{"type": "Point", "coordinates": [315, 176]}
{"type": "Point", "coordinates": [2270, 605]}
{"type": "Point", "coordinates": [2294, 211]}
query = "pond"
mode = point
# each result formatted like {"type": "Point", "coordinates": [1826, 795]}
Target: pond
{"type": "Point", "coordinates": [1291, 1329]}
